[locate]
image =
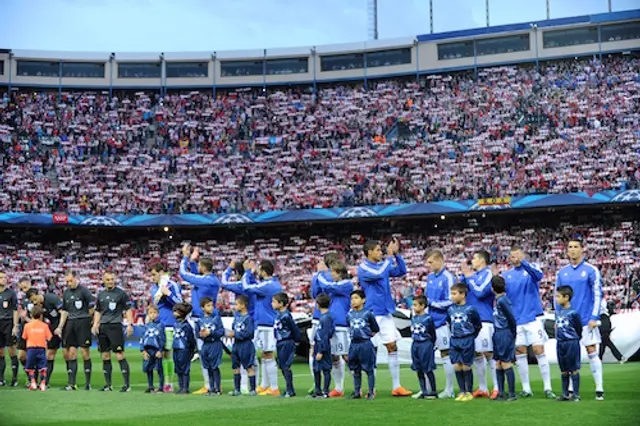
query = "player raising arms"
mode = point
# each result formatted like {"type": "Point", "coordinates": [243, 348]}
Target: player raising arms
{"type": "Point", "coordinates": [112, 302]}
{"type": "Point", "coordinates": [75, 329]}
{"type": "Point", "coordinates": [165, 294]}
{"type": "Point", "coordinates": [373, 277]}
{"type": "Point", "coordinates": [204, 283]}
{"type": "Point", "coordinates": [439, 283]}
{"type": "Point", "coordinates": [480, 296]}
{"type": "Point", "coordinates": [586, 283]}
{"type": "Point", "coordinates": [51, 305]}
{"type": "Point", "coordinates": [323, 271]}
{"type": "Point", "coordinates": [8, 326]}
{"type": "Point", "coordinates": [264, 318]}
{"type": "Point", "coordinates": [523, 290]}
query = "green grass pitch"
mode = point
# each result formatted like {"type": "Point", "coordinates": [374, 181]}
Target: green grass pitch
{"type": "Point", "coordinates": [55, 407]}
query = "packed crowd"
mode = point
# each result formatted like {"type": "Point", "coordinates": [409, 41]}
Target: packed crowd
{"type": "Point", "coordinates": [575, 126]}
{"type": "Point", "coordinates": [613, 246]}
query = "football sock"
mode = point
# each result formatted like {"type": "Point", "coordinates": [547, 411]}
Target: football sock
{"type": "Point", "coordinates": [596, 370]}
{"type": "Point", "coordinates": [468, 375]}
{"type": "Point", "coordinates": [252, 383]}
{"type": "Point", "coordinates": [422, 381]}
{"type": "Point", "coordinates": [565, 384]}
{"type": "Point", "coordinates": [500, 377]}
{"type": "Point", "coordinates": [394, 369]}
{"type": "Point", "coordinates": [372, 381]}
{"type": "Point", "coordinates": [236, 381]}
{"type": "Point", "coordinates": [492, 369]}
{"type": "Point", "coordinates": [3, 366]}
{"type": "Point", "coordinates": [244, 378]}
{"type": "Point", "coordinates": [462, 384]}
{"type": "Point", "coordinates": [448, 373]}
{"type": "Point", "coordinates": [523, 370]}
{"type": "Point", "coordinates": [311, 361]}
{"type": "Point", "coordinates": [50, 364]}
{"type": "Point", "coordinates": [545, 371]}
{"type": "Point", "coordinates": [87, 371]}
{"type": "Point", "coordinates": [73, 371]}
{"type": "Point", "coordinates": [481, 371]}
{"type": "Point", "coordinates": [431, 382]}
{"type": "Point", "coordinates": [357, 381]}
{"type": "Point", "coordinates": [206, 376]}
{"type": "Point", "coordinates": [256, 369]}
{"type": "Point", "coordinates": [575, 379]}
{"type": "Point", "coordinates": [126, 373]}
{"type": "Point", "coordinates": [337, 369]}
{"type": "Point", "coordinates": [170, 371]}
{"type": "Point", "coordinates": [31, 374]}
{"type": "Point", "coordinates": [107, 369]}
{"type": "Point", "coordinates": [43, 375]}
{"type": "Point", "coordinates": [272, 371]}
{"type": "Point", "coordinates": [14, 368]}
{"type": "Point", "coordinates": [511, 381]}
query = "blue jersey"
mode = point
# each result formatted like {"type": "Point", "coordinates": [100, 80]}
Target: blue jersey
{"type": "Point", "coordinates": [438, 286]}
{"type": "Point", "coordinates": [423, 328]}
{"type": "Point", "coordinates": [243, 328]}
{"type": "Point", "coordinates": [480, 295]}
{"type": "Point", "coordinates": [237, 288]}
{"type": "Point", "coordinates": [315, 289]}
{"type": "Point", "coordinates": [586, 283]}
{"type": "Point", "coordinates": [203, 285]}
{"type": "Point", "coordinates": [165, 303]}
{"type": "Point", "coordinates": [213, 323]}
{"type": "Point", "coordinates": [503, 317]}
{"type": "Point", "coordinates": [568, 324]}
{"type": "Point", "coordinates": [285, 328]}
{"type": "Point", "coordinates": [340, 294]}
{"type": "Point", "coordinates": [264, 314]}
{"type": "Point", "coordinates": [464, 321]}
{"type": "Point", "coordinates": [374, 280]}
{"type": "Point", "coordinates": [153, 336]}
{"type": "Point", "coordinates": [362, 325]}
{"type": "Point", "coordinates": [523, 289]}
{"type": "Point", "coordinates": [324, 333]}
{"type": "Point", "coordinates": [183, 337]}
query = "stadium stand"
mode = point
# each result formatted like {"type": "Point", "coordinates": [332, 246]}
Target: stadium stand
{"type": "Point", "coordinates": [575, 126]}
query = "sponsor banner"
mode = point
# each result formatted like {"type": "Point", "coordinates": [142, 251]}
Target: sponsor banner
{"type": "Point", "coordinates": [60, 218]}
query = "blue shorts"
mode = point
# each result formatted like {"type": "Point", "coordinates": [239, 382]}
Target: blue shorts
{"type": "Point", "coordinates": [504, 345]}
{"type": "Point", "coordinates": [423, 357]}
{"type": "Point", "coordinates": [362, 356]}
{"type": "Point", "coordinates": [325, 364]}
{"type": "Point", "coordinates": [286, 350]}
{"type": "Point", "coordinates": [462, 350]}
{"type": "Point", "coordinates": [182, 361]}
{"type": "Point", "coordinates": [568, 352]}
{"type": "Point", "coordinates": [211, 355]}
{"type": "Point", "coordinates": [153, 362]}
{"type": "Point", "coordinates": [36, 359]}
{"type": "Point", "coordinates": [243, 354]}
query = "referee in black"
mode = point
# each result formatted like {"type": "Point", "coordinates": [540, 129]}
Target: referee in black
{"type": "Point", "coordinates": [107, 325]}
{"type": "Point", "coordinates": [75, 329]}
{"type": "Point", "coordinates": [8, 328]}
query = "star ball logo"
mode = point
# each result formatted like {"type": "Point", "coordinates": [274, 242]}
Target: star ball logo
{"type": "Point", "coordinates": [459, 317]}
{"type": "Point", "coordinates": [180, 334]}
{"type": "Point", "coordinates": [418, 328]}
{"type": "Point", "coordinates": [562, 322]}
{"type": "Point", "coordinates": [358, 323]}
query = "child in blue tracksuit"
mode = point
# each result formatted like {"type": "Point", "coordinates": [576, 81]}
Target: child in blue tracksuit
{"type": "Point", "coordinates": [362, 353]}
{"type": "Point", "coordinates": [322, 362]}
{"type": "Point", "coordinates": [209, 328]}
{"type": "Point", "coordinates": [568, 335]}
{"type": "Point", "coordinates": [243, 353]}
{"type": "Point", "coordinates": [504, 339]}
{"type": "Point", "coordinates": [287, 335]}
{"type": "Point", "coordinates": [184, 346]}
{"type": "Point", "coordinates": [423, 333]}
{"type": "Point", "coordinates": [152, 345]}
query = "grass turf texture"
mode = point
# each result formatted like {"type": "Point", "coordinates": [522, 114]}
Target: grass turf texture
{"type": "Point", "coordinates": [55, 407]}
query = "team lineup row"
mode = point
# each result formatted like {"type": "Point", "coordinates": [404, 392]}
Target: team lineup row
{"type": "Point", "coordinates": [256, 288]}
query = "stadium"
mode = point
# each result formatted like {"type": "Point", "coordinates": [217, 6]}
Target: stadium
{"type": "Point", "coordinates": [524, 135]}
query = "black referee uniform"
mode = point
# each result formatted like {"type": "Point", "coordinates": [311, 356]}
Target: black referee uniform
{"type": "Point", "coordinates": [8, 306]}
{"type": "Point", "coordinates": [111, 305]}
{"type": "Point", "coordinates": [52, 306]}
{"type": "Point", "coordinates": [77, 302]}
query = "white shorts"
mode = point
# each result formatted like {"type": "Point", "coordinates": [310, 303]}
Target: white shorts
{"type": "Point", "coordinates": [388, 331]}
{"type": "Point", "coordinates": [265, 339]}
{"type": "Point", "coordinates": [340, 342]}
{"type": "Point", "coordinates": [443, 335]}
{"type": "Point", "coordinates": [531, 334]}
{"type": "Point", "coordinates": [484, 341]}
{"type": "Point", "coordinates": [590, 336]}
{"type": "Point", "coordinates": [311, 332]}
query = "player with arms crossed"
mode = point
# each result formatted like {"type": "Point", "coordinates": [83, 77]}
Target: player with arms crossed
{"type": "Point", "coordinates": [165, 294]}
{"type": "Point", "coordinates": [586, 283]}
{"type": "Point", "coordinates": [75, 329]}
{"type": "Point", "coordinates": [480, 296]}
{"type": "Point", "coordinates": [9, 327]}
{"type": "Point", "coordinates": [373, 277]}
{"type": "Point", "coordinates": [204, 284]}
{"type": "Point", "coordinates": [439, 283]}
{"type": "Point", "coordinates": [112, 302]}
{"type": "Point", "coordinates": [51, 305]}
{"type": "Point", "coordinates": [523, 290]}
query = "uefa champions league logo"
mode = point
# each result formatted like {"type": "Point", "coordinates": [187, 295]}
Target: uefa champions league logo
{"type": "Point", "coordinates": [100, 221]}
{"type": "Point", "coordinates": [239, 327]}
{"type": "Point", "coordinates": [459, 317]}
{"type": "Point", "coordinates": [562, 322]}
{"type": "Point", "coordinates": [153, 332]}
{"type": "Point", "coordinates": [358, 323]}
{"type": "Point", "coordinates": [233, 218]}
{"type": "Point", "coordinates": [358, 212]}
{"type": "Point", "coordinates": [278, 325]}
{"type": "Point", "coordinates": [630, 196]}
{"type": "Point", "coordinates": [210, 327]}
{"type": "Point", "coordinates": [180, 334]}
{"type": "Point", "coordinates": [418, 328]}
